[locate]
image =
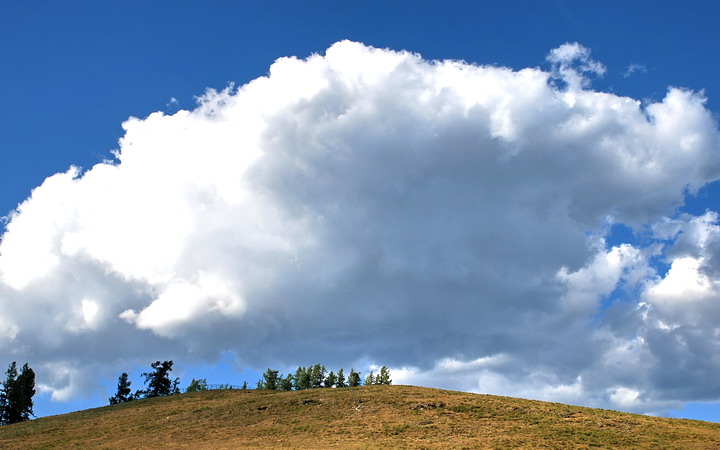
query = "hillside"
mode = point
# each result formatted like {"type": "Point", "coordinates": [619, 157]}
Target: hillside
{"type": "Point", "coordinates": [375, 415]}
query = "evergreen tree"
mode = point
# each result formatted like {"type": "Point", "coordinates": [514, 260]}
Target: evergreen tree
{"type": "Point", "coordinates": [197, 385]}
{"type": "Point", "coordinates": [317, 376]}
{"type": "Point", "coordinates": [286, 383]}
{"type": "Point", "coordinates": [384, 376]}
{"type": "Point", "coordinates": [370, 379]}
{"type": "Point", "coordinates": [354, 378]}
{"type": "Point", "coordinates": [158, 381]}
{"type": "Point", "coordinates": [302, 378]}
{"type": "Point", "coordinates": [16, 404]}
{"type": "Point", "coordinates": [244, 386]}
{"type": "Point", "coordinates": [340, 379]}
{"type": "Point", "coordinates": [123, 393]}
{"type": "Point", "coordinates": [26, 389]}
{"type": "Point", "coordinates": [6, 393]}
{"type": "Point", "coordinates": [270, 380]}
{"type": "Point", "coordinates": [175, 387]}
{"type": "Point", "coordinates": [330, 380]}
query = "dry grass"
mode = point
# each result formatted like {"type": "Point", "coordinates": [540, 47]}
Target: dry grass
{"type": "Point", "coordinates": [374, 416]}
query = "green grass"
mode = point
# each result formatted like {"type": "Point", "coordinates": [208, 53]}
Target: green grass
{"type": "Point", "coordinates": [375, 416]}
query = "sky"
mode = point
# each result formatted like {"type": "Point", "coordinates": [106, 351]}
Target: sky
{"type": "Point", "coordinates": [515, 198]}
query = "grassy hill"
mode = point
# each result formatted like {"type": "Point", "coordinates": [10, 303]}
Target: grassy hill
{"type": "Point", "coordinates": [378, 416]}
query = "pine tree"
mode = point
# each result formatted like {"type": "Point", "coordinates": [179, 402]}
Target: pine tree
{"type": "Point", "coordinates": [384, 376]}
{"type": "Point", "coordinates": [270, 380]}
{"type": "Point", "coordinates": [330, 380]}
{"type": "Point", "coordinates": [175, 389]}
{"type": "Point", "coordinates": [340, 379]}
{"type": "Point", "coordinates": [370, 379]}
{"type": "Point", "coordinates": [244, 386]}
{"type": "Point", "coordinates": [158, 381]}
{"type": "Point", "coordinates": [7, 393]}
{"type": "Point", "coordinates": [197, 385]}
{"type": "Point", "coordinates": [302, 378]}
{"type": "Point", "coordinates": [286, 383]}
{"type": "Point", "coordinates": [26, 390]}
{"type": "Point", "coordinates": [317, 376]}
{"type": "Point", "coordinates": [123, 393]}
{"type": "Point", "coordinates": [354, 378]}
{"type": "Point", "coordinates": [16, 404]}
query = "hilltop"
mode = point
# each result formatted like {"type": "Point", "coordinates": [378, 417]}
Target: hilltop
{"type": "Point", "coordinates": [353, 417]}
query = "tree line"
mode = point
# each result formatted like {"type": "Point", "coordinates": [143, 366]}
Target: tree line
{"type": "Point", "coordinates": [313, 377]}
{"type": "Point", "coordinates": [159, 384]}
{"type": "Point", "coordinates": [18, 389]}
{"type": "Point", "coordinates": [157, 381]}
{"type": "Point", "coordinates": [16, 393]}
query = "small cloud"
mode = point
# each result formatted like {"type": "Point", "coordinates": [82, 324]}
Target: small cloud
{"type": "Point", "coordinates": [633, 68]}
{"type": "Point", "coordinates": [570, 54]}
{"type": "Point", "coordinates": [172, 104]}
{"type": "Point", "coordinates": [571, 62]}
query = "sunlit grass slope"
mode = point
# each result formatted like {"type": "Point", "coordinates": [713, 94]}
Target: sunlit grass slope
{"type": "Point", "coordinates": [376, 416]}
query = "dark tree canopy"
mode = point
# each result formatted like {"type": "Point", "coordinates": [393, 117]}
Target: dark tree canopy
{"type": "Point", "coordinates": [123, 393]}
{"type": "Point", "coordinates": [158, 381]}
{"type": "Point", "coordinates": [353, 378]}
{"type": "Point", "coordinates": [7, 392]}
{"type": "Point", "coordinates": [16, 404]}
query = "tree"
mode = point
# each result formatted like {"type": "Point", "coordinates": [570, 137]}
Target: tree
{"type": "Point", "coordinates": [317, 376]}
{"type": "Point", "coordinates": [16, 404]}
{"type": "Point", "coordinates": [158, 381]}
{"type": "Point", "coordinates": [340, 379]}
{"type": "Point", "coordinates": [286, 384]}
{"type": "Point", "coordinates": [6, 393]}
{"type": "Point", "coordinates": [24, 392]}
{"type": "Point", "coordinates": [197, 385]}
{"type": "Point", "coordinates": [384, 376]}
{"type": "Point", "coordinates": [26, 386]}
{"type": "Point", "coordinates": [370, 379]}
{"type": "Point", "coordinates": [330, 380]}
{"type": "Point", "coordinates": [270, 380]}
{"type": "Point", "coordinates": [175, 389]}
{"type": "Point", "coordinates": [301, 380]}
{"type": "Point", "coordinates": [354, 378]}
{"type": "Point", "coordinates": [123, 393]}
{"type": "Point", "coordinates": [244, 386]}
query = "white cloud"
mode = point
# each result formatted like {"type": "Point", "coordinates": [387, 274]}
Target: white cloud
{"type": "Point", "coordinates": [572, 52]}
{"type": "Point", "coordinates": [366, 205]}
{"type": "Point", "coordinates": [182, 302]}
{"type": "Point", "coordinates": [683, 282]}
{"type": "Point", "coordinates": [586, 286]}
{"type": "Point", "coordinates": [571, 62]}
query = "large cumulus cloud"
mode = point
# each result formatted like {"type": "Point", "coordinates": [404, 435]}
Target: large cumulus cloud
{"type": "Point", "coordinates": [368, 206]}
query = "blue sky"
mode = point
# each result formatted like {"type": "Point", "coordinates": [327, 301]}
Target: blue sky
{"type": "Point", "coordinates": [71, 74]}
